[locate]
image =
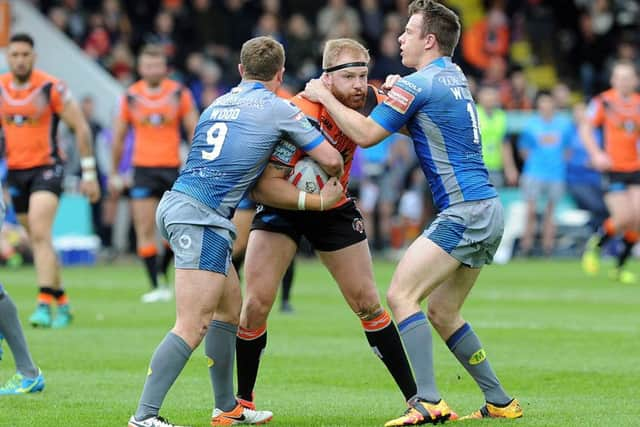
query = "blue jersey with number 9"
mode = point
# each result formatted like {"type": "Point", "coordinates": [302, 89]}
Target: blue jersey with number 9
{"type": "Point", "coordinates": [233, 141]}
{"type": "Point", "coordinates": [438, 109]}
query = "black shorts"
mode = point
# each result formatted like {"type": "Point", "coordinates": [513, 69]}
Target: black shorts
{"type": "Point", "coordinates": [620, 181]}
{"type": "Point", "coordinates": [24, 182]}
{"type": "Point", "coordinates": [326, 231]}
{"type": "Point", "coordinates": [152, 182]}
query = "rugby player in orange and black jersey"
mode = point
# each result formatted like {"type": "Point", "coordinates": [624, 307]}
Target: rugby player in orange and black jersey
{"type": "Point", "coordinates": [337, 234]}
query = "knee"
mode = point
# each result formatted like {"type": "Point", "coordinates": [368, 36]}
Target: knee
{"type": "Point", "coordinates": [396, 299]}
{"type": "Point", "coordinates": [255, 312]}
{"type": "Point", "coordinates": [192, 331]}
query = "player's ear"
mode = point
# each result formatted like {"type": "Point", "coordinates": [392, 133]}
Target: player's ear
{"type": "Point", "coordinates": [280, 75]}
{"type": "Point", "coordinates": [241, 70]}
{"type": "Point", "coordinates": [326, 79]}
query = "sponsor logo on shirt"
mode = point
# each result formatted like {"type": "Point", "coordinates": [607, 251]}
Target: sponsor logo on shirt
{"type": "Point", "coordinates": [399, 99]}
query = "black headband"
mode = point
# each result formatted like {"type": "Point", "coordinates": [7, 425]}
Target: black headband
{"type": "Point", "coordinates": [347, 65]}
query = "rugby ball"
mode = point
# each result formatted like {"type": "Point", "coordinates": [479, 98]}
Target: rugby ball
{"type": "Point", "coordinates": [308, 176]}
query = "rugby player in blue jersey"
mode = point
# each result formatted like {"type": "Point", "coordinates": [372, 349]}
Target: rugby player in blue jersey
{"type": "Point", "coordinates": [435, 105]}
{"type": "Point", "coordinates": [231, 147]}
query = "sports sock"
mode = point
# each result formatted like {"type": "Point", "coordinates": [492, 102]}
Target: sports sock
{"type": "Point", "coordinates": [287, 282]}
{"type": "Point", "coordinates": [11, 329]}
{"type": "Point", "coordinates": [46, 295]}
{"type": "Point", "coordinates": [607, 231]}
{"type": "Point", "coordinates": [416, 336]}
{"type": "Point", "coordinates": [630, 239]}
{"type": "Point", "coordinates": [149, 255]}
{"type": "Point", "coordinates": [249, 347]}
{"type": "Point", "coordinates": [465, 345]}
{"type": "Point", "coordinates": [383, 338]}
{"type": "Point", "coordinates": [60, 296]}
{"type": "Point", "coordinates": [220, 348]}
{"type": "Point", "coordinates": [166, 259]}
{"type": "Point", "coordinates": [166, 364]}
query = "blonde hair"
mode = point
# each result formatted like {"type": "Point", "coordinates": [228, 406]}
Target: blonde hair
{"type": "Point", "coordinates": [333, 49]}
{"type": "Point", "coordinates": [262, 57]}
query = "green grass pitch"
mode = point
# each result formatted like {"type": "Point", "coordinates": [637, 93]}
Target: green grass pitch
{"type": "Point", "coordinates": [567, 346]}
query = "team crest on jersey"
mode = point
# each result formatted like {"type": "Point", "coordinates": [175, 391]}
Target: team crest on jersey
{"type": "Point", "coordinates": [284, 151]}
{"type": "Point", "coordinates": [358, 225]}
{"type": "Point", "coordinates": [399, 99]}
{"type": "Point", "coordinates": [185, 241]}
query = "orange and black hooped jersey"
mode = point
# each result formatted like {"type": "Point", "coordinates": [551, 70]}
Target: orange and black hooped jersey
{"type": "Point", "coordinates": [620, 120]}
{"type": "Point", "coordinates": [320, 118]}
{"type": "Point", "coordinates": [155, 115]}
{"type": "Point", "coordinates": [29, 119]}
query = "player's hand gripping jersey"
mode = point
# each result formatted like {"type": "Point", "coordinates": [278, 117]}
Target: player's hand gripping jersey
{"type": "Point", "coordinates": [156, 116]}
{"type": "Point", "coordinates": [438, 109]}
{"type": "Point", "coordinates": [620, 119]}
{"type": "Point", "coordinates": [287, 154]}
{"type": "Point", "coordinates": [233, 141]}
{"type": "Point", "coordinates": [29, 119]}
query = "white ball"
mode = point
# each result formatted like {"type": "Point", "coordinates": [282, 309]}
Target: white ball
{"type": "Point", "coordinates": [308, 176]}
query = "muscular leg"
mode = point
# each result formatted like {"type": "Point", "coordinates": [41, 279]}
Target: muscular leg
{"type": "Point", "coordinates": [445, 303]}
{"type": "Point", "coordinates": [242, 220]}
{"type": "Point", "coordinates": [143, 211]}
{"type": "Point", "coordinates": [42, 211]}
{"type": "Point", "coordinates": [423, 267]}
{"type": "Point", "coordinates": [264, 269]}
{"type": "Point", "coordinates": [352, 270]}
{"type": "Point", "coordinates": [197, 296]}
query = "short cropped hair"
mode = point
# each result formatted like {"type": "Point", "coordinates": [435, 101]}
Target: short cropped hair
{"type": "Point", "coordinates": [262, 57]}
{"type": "Point", "coordinates": [22, 38]}
{"type": "Point", "coordinates": [440, 21]}
{"type": "Point", "coordinates": [333, 49]}
{"type": "Point", "coordinates": [152, 50]}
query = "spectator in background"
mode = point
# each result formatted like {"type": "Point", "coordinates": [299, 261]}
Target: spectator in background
{"type": "Point", "coordinates": [584, 183]}
{"type": "Point", "coordinates": [543, 145]}
{"type": "Point", "coordinates": [302, 49]}
{"type": "Point", "coordinates": [212, 86]}
{"type": "Point", "coordinates": [163, 35]}
{"type": "Point", "coordinates": [120, 63]}
{"type": "Point", "coordinates": [497, 151]}
{"type": "Point", "coordinates": [337, 12]}
{"type": "Point", "coordinates": [487, 38]}
{"type": "Point", "coordinates": [388, 61]}
{"type": "Point", "coordinates": [209, 29]}
{"type": "Point", "coordinates": [372, 18]}
{"type": "Point", "coordinates": [97, 43]}
{"type": "Point", "coordinates": [269, 25]}
{"type": "Point", "coordinates": [517, 96]}
{"type": "Point", "coordinates": [591, 52]}
{"type": "Point", "coordinates": [116, 22]}
{"type": "Point", "coordinates": [561, 96]}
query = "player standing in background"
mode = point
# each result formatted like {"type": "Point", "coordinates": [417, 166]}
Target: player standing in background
{"type": "Point", "coordinates": [231, 147]}
{"type": "Point", "coordinates": [155, 107]}
{"type": "Point", "coordinates": [617, 111]}
{"type": "Point", "coordinates": [337, 234]}
{"type": "Point", "coordinates": [28, 378]}
{"type": "Point", "coordinates": [443, 264]}
{"type": "Point", "coordinates": [31, 105]}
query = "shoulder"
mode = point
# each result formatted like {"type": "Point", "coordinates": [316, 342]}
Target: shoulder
{"type": "Point", "coordinates": [5, 79]}
{"type": "Point", "coordinates": [135, 88]}
{"type": "Point", "coordinates": [39, 77]}
{"type": "Point", "coordinates": [309, 108]}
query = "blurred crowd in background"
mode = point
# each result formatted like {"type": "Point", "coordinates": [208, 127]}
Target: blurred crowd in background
{"type": "Point", "coordinates": [515, 53]}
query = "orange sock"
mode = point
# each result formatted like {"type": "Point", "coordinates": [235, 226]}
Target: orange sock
{"type": "Point", "coordinates": [147, 251]}
{"type": "Point", "coordinates": [45, 298]}
{"type": "Point", "coordinates": [609, 227]}
{"type": "Point", "coordinates": [251, 334]}
{"type": "Point", "coordinates": [631, 236]}
{"type": "Point", "coordinates": [379, 322]}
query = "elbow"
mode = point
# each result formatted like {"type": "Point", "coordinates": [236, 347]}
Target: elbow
{"type": "Point", "coordinates": [335, 165]}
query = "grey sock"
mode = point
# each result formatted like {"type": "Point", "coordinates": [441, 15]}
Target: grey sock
{"type": "Point", "coordinates": [220, 348]}
{"type": "Point", "coordinates": [466, 346]}
{"type": "Point", "coordinates": [11, 329]}
{"type": "Point", "coordinates": [166, 364]}
{"type": "Point", "coordinates": [416, 336]}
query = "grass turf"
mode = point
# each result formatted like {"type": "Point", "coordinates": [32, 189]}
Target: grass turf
{"type": "Point", "coordinates": [566, 345]}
